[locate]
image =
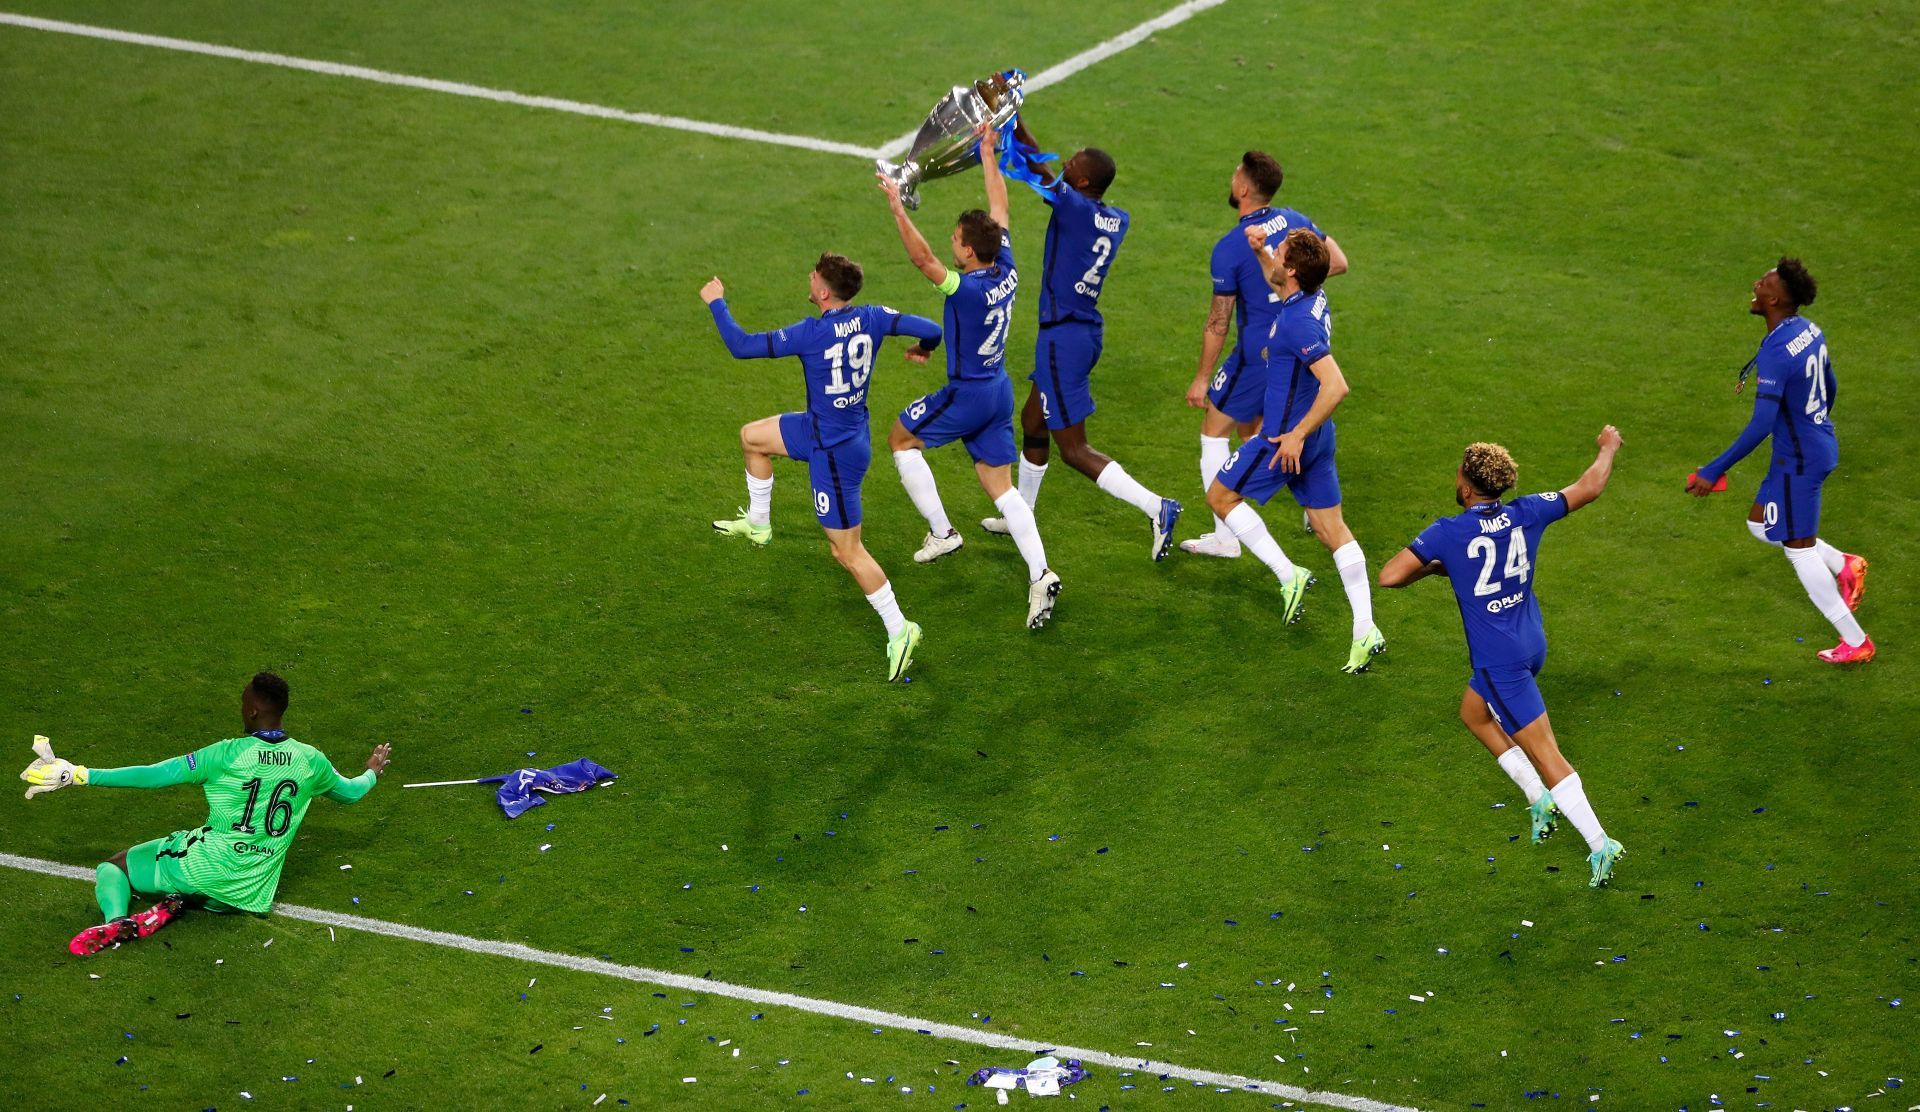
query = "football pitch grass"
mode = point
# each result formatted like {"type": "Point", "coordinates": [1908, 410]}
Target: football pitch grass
{"type": "Point", "coordinates": [410, 398]}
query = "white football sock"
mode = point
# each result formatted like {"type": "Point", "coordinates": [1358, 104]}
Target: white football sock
{"type": "Point", "coordinates": [1353, 576]}
{"type": "Point", "coordinates": [1835, 559]}
{"type": "Point", "coordinates": [1115, 481]}
{"type": "Point", "coordinates": [1825, 593]}
{"type": "Point", "coordinates": [1213, 456]}
{"type": "Point", "coordinates": [1759, 531]}
{"type": "Point", "coordinates": [1514, 763]}
{"type": "Point", "coordinates": [1026, 534]}
{"type": "Point", "coordinates": [1246, 525]}
{"type": "Point", "coordinates": [883, 604]}
{"type": "Point", "coordinates": [1031, 475]}
{"type": "Point", "coordinates": [1571, 798]}
{"type": "Point", "coordinates": [759, 499]}
{"type": "Point", "coordinates": [917, 477]}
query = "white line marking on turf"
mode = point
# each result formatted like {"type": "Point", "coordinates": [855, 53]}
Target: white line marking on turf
{"type": "Point", "coordinates": [1054, 75]}
{"type": "Point", "coordinates": [456, 88]}
{"type": "Point", "coordinates": [868, 1016]}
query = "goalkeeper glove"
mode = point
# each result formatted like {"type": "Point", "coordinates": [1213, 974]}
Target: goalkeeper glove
{"type": "Point", "coordinates": [50, 773]}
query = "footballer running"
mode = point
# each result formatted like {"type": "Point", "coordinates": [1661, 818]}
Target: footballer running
{"type": "Point", "coordinates": [1488, 552]}
{"type": "Point", "coordinates": [1233, 393]}
{"type": "Point", "coordinates": [975, 407]}
{"type": "Point", "coordinates": [837, 351]}
{"type": "Point", "coordinates": [1084, 234]}
{"type": "Point", "coordinates": [1793, 403]}
{"type": "Point", "coordinates": [1295, 446]}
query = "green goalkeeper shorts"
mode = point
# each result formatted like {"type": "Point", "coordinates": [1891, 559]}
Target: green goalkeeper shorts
{"type": "Point", "coordinates": [159, 868]}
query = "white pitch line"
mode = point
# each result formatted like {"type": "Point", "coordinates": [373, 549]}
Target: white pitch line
{"type": "Point", "coordinates": [1053, 75]}
{"type": "Point", "coordinates": [455, 88]}
{"type": "Point", "coordinates": [869, 1016]}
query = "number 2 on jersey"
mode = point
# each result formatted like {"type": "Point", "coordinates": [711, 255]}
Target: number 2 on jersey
{"type": "Point", "coordinates": [1817, 365]}
{"type": "Point", "coordinates": [996, 333]}
{"type": "Point", "coordinates": [1102, 252]}
{"type": "Point", "coordinates": [1516, 568]}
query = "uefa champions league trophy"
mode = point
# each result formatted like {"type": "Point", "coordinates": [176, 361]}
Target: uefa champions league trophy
{"type": "Point", "coordinates": [946, 143]}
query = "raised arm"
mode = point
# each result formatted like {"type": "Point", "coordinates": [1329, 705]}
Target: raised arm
{"type": "Point", "coordinates": [1594, 480]}
{"type": "Point", "coordinates": [742, 344]}
{"type": "Point", "coordinates": [353, 790]}
{"type": "Point", "coordinates": [918, 253]}
{"type": "Point", "coordinates": [1035, 165]}
{"type": "Point", "coordinates": [1269, 261]}
{"type": "Point", "coordinates": [996, 182]}
{"type": "Point", "coordinates": [1333, 390]}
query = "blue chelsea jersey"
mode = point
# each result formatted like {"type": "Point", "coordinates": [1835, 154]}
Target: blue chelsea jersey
{"type": "Point", "coordinates": [1489, 552]}
{"type": "Point", "coordinates": [1236, 271]}
{"type": "Point", "coordinates": [837, 350]}
{"type": "Point", "coordinates": [1795, 375]}
{"type": "Point", "coordinates": [1083, 236]}
{"type": "Point", "coordinates": [1792, 404]}
{"type": "Point", "coordinates": [978, 313]}
{"type": "Point", "coordinates": [1301, 335]}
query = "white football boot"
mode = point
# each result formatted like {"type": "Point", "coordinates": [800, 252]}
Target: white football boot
{"type": "Point", "coordinates": [1224, 545]}
{"type": "Point", "coordinates": [934, 547]}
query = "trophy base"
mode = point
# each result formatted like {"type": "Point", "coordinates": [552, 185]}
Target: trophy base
{"type": "Point", "coordinates": [905, 175]}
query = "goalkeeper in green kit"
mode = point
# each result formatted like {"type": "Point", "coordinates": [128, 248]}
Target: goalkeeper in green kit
{"type": "Point", "coordinates": [258, 787]}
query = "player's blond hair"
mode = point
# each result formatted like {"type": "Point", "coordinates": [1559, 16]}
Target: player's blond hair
{"type": "Point", "coordinates": [1489, 468]}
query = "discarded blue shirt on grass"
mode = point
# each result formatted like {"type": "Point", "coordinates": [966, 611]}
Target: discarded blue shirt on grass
{"type": "Point", "coordinates": [1041, 1077]}
{"type": "Point", "coordinates": [517, 788]}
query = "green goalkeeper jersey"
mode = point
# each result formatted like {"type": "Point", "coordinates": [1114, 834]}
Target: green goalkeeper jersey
{"type": "Point", "coordinates": [258, 788]}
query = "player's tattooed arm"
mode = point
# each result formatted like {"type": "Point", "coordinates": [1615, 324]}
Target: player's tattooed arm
{"type": "Point", "coordinates": [1220, 315]}
{"type": "Point", "coordinates": [1406, 567]}
{"type": "Point", "coordinates": [1594, 480]}
{"type": "Point", "coordinates": [1212, 338]}
{"type": "Point", "coordinates": [918, 253]}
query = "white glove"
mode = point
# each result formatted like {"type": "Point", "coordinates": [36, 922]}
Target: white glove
{"type": "Point", "coordinates": [50, 773]}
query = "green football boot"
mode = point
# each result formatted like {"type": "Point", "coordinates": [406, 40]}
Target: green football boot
{"type": "Point", "coordinates": [1545, 817]}
{"type": "Point", "coordinates": [741, 527]}
{"type": "Point", "coordinates": [900, 651]}
{"type": "Point", "coordinates": [1602, 862]}
{"type": "Point", "coordinates": [1293, 596]}
{"type": "Point", "coordinates": [1360, 657]}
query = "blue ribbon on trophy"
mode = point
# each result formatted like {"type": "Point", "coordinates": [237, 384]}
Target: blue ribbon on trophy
{"type": "Point", "coordinates": [945, 143]}
{"type": "Point", "coordinates": [1017, 156]}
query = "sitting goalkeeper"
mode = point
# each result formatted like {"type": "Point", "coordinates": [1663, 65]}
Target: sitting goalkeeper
{"type": "Point", "coordinates": [258, 788]}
